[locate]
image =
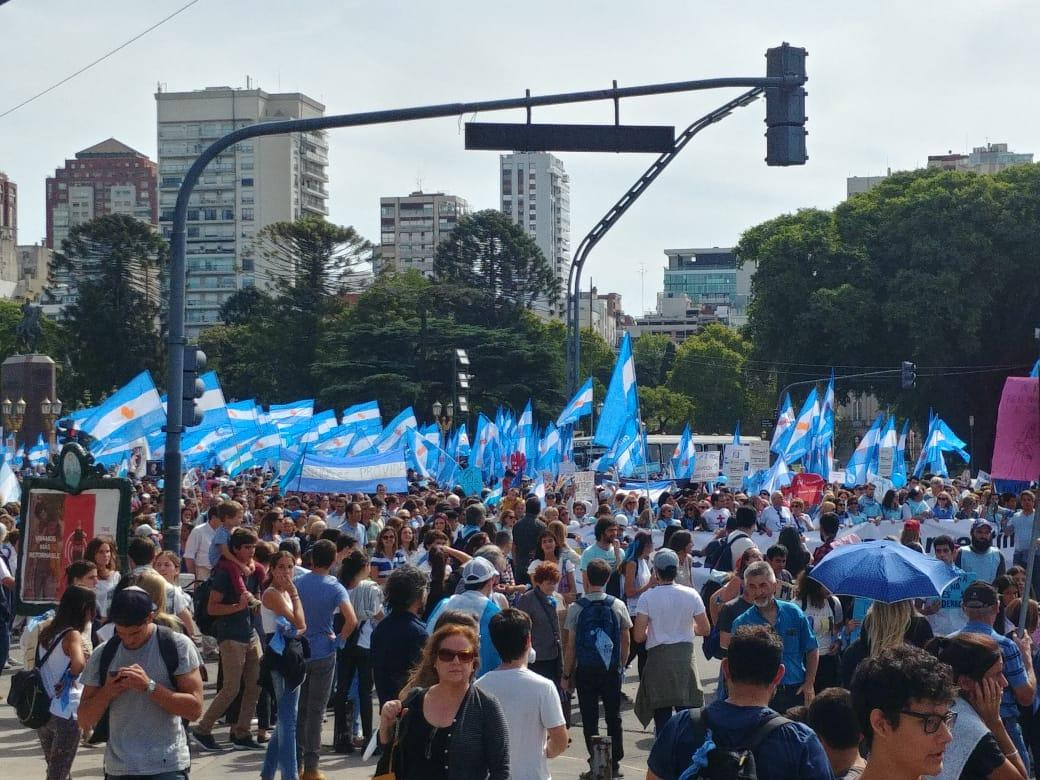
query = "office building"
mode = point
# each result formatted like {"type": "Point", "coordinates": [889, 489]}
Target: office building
{"type": "Point", "coordinates": [712, 279]}
{"type": "Point", "coordinates": [255, 183]}
{"type": "Point", "coordinates": [107, 178]}
{"type": "Point", "coordinates": [411, 228]}
{"type": "Point", "coordinates": [535, 194]}
{"type": "Point", "coordinates": [33, 263]}
{"type": "Point", "coordinates": [991, 158]}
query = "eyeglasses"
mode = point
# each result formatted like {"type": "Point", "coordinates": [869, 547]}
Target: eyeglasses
{"type": "Point", "coordinates": [444, 655]}
{"type": "Point", "coordinates": [932, 721]}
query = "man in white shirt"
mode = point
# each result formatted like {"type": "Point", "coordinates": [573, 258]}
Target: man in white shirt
{"type": "Point", "coordinates": [717, 516]}
{"type": "Point", "coordinates": [531, 703]}
{"type": "Point", "coordinates": [776, 515]}
{"type": "Point", "coordinates": [667, 618]}
{"type": "Point", "coordinates": [196, 551]}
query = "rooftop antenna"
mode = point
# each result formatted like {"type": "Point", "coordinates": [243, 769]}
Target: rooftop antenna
{"type": "Point", "coordinates": [642, 294]}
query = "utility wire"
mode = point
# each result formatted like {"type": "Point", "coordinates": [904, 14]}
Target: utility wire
{"type": "Point", "coordinates": [102, 58]}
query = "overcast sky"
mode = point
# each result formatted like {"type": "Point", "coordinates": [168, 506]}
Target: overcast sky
{"type": "Point", "coordinates": [889, 83]}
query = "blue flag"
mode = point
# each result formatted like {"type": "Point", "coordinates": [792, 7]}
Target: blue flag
{"type": "Point", "coordinates": [621, 403]}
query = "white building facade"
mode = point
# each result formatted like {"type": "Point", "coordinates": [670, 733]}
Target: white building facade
{"type": "Point", "coordinates": [536, 195]}
{"type": "Point", "coordinates": [249, 186]}
{"type": "Point", "coordinates": [411, 227]}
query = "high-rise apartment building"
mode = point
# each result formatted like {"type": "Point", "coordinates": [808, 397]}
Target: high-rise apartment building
{"type": "Point", "coordinates": [411, 228]}
{"type": "Point", "coordinates": [536, 195]}
{"type": "Point", "coordinates": [257, 182]}
{"type": "Point", "coordinates": [991, 158]}
{"type": "Point", "coordinates": [107, 178]}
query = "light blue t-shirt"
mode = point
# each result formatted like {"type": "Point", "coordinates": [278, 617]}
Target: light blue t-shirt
{"type": "Point", "coordinates": [222, 536]}
{"type": "Point", "coordinates": [321, 596]}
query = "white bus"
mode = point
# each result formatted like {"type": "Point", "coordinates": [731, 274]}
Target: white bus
{"type": "Point", "coordinates": [659, 446]}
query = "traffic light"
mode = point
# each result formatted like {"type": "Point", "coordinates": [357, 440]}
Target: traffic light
{"type": "Point", "coordinates": [194, 364]}
{"type": "Point", "coordinates": [908, 375]}
{"type": "Point", "coordinates": [785, 107]}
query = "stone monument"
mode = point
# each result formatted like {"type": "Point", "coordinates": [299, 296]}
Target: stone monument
{"type": "Point", "coordinates": [29, 376]}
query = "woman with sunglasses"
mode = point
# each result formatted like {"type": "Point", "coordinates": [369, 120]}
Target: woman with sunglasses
{"type": "Point", "coordinates": [387, 556]}
{"type": "Point", "coordinates": [444, 727]}
{"type": "Point", "coordinates": [981, 747]}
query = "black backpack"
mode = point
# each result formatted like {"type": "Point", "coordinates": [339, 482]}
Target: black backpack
{"type": "Point", "coordinates": [203, 619]}
{"type": "Point", "coordinates": [724, 560]}
{"type": "Point", "coordinates": [168, 651]}
{"type": "Point", "coordinates": [737, 763]}
{"type": "Point", "coordinates": [28, 694]}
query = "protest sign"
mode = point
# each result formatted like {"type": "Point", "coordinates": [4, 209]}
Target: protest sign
{"type": "Point", "coordinates": [1016, 453]}
{"type": "Point", "coordinates": [758, 456]}
{"type": "Point", "coordinates": [734, 463]}
{"type": "Point", "coordinates": [585, 486]}
{"type": "Point", "coordinates": [886, 457]}
{"type": "Point", "coordinates": [471, 481]}
{"type": "Point", "coordinates": [706, 467]}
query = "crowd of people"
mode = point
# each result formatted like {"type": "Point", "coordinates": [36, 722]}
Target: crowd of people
{"type": "Point", "coordinates": [452, 638]}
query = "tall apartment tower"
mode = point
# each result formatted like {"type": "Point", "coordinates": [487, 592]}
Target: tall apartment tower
{"type": "Point", "coordinates": [536, 194]}
{"type": "Point", "coordinates": [107, 178]}
{"type": "Point", "coordinates": [249, 186]}
{"type": "Point", "coordinates": [411, 228]}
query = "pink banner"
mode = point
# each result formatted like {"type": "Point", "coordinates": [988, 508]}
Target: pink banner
{"type": "Point", "coordinates": [1016, 454]}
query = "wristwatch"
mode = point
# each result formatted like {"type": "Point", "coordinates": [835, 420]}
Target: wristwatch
{"type": "Point", "coordinates": [150, 688]}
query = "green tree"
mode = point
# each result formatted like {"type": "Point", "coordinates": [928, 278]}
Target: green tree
{"type": "Point", "coordinates": [488, 253]}
{"type": "Point", "coordinates": [709, 368]}
{"type": "Point", "coordinates": [268, 344]}
{"type": "Point", "coordinates": [654, 354]}
{"type": "Point", "coordinates": [935, 267]}
{"type": "Point", "coordinates": [116, 262]}
{"type": "Point", "coordinates": [664, 410]}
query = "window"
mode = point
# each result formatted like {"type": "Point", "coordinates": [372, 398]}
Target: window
{"type": "Point", "coordinates": [230, 214]}
{"type": "Point", "coordinates": [193, 215]}
{"type": "Point", "coordinates": [247, 264]}
{"type": "Point", "coordinates": [209, 214]}
{"type": "Point", "coordinates": [247, 214]}
{"type": "Point", "coordinates": [247, 182]}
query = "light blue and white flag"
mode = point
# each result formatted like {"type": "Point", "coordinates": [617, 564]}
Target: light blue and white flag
{"type": "Point", "coordinates": [684, 459]}
{"type": "Point", "coordinates": [40, 452]}
{"type": "Point", "coordinates": [864, 457]}
{"type": "Point", "coordinates": [783, 424]}
{"type": "Point", "coordinates": [10, 488]}
{"type": "Point", "coordinates": [133, 411]}
{"type": "Point", "coordinates": [394, 432]}
{"type": "Point", "coordinates": [621, 403]}
{"type": "Point", "coordinates": [365, 416]}
{"type": "Point", "coordinates": [580, 406]}
{"type": "Point", "coordinates": [288, 415]}
{"type": "Point", "coordinates": [801, 433]}
{"type": "Point", "coordinates": [316, 473]}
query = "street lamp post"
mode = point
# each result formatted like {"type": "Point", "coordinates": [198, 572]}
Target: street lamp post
{"type": "Point", "coordinates": [50, 411]}
{"type": "Point", "coordinates": [14, 416]}
{"type": "Point", "coordinates": [444, 415]}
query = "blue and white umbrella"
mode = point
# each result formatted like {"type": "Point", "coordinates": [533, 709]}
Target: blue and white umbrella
{"type": "Point", "coordinates": [883, 571]}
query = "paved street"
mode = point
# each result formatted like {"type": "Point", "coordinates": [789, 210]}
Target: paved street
{"type": "Point", "coordinates": [21, 756]}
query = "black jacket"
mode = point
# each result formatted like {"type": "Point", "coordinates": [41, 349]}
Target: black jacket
{"type": "Point", "coordinates": [525, 537]}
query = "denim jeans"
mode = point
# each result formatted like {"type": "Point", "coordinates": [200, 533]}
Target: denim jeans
{"type": "Point", "coordinates": [314, 695]}
{"type": "Point", "coordinates": [281, 750]}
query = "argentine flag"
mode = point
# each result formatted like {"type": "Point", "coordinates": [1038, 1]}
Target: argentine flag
{"type": "Point", "coordinates": [365, 416]}
{"type": "Point", "coordinates": [580, 406]}
{"type": "Point", "coordinates": [133, 411]}
{"type": "Point", "coordinates": [395, 430]}
{"type": "Point", "coordinates": [621, 402]}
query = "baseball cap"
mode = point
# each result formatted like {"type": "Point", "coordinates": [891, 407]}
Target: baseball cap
{"type": "Point", "coordinates": [144, 530]}
{"type": "Point", "coordinates": [477, 571]}
{"type": "Point", "coordinates": [130, 606]}
{"type": "Point", "coordinates": [980, 595]}
{"type": "Point", "coordinates": [982, 522]}
{"type": "Point", "coordinates": [664, 558]}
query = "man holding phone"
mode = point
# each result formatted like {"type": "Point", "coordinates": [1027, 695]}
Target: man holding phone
{"type": "Point", "coordinates": [145, 704]}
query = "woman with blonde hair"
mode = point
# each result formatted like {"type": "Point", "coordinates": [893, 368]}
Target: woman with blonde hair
{"type": "Point", "coordinates": [885, 626]}
{"type": "Point", "coordinates": [443, 726]}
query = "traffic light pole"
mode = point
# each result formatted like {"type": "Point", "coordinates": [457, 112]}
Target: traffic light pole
{"type": "Point", "coordinates": [611, 218]}
{"type": "Point", "coordinates": [175, 338]}
{"type": "Point", "coordinates": [787, 388]}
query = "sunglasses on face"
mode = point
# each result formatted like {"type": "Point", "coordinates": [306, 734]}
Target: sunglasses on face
{"type": "Point", "coordinates": [444, 655]}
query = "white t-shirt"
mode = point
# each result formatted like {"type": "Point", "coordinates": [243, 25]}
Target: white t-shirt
{"type": "Point", "coordinates": [531, 706]}
{"type": "Point", "coordinates": [716, 517]}
{"type": "Point", "coordinates": [197, 548]}
{"type": "Point", "coordinates": [671, 609]}
{"type": "Point", "coordinates": [738, 546]}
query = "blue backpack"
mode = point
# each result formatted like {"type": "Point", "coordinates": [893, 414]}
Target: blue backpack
{"type": "Point", "coordinates": [597, 618]}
